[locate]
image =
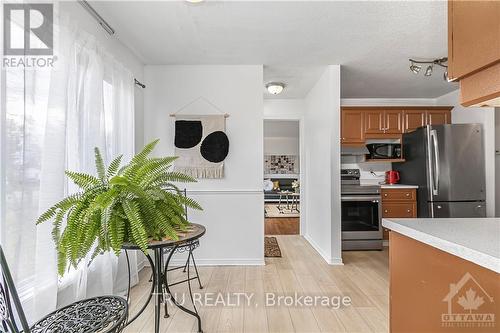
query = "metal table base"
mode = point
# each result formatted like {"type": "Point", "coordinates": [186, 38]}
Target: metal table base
{"type": "Point", "coordinates": [160, 286]}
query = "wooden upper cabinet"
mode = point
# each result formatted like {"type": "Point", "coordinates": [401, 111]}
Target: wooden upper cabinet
{"type": "Point", "coordinates": [353, 127]}
{"type": "Point", "coordinates": [361, 123]}
{"type": "Point", "coordinates": [413, 119]}
{"type": "Point", "coordinates": [393, 121]}
{"type": "Point", "coordinates": [473, 36]}
{"type": "Point", "coordinates": [374, 121]}
{"type": "Point", "coordinates": [474, 50]}
{"type": "Point", "coordinates": [438, 117]}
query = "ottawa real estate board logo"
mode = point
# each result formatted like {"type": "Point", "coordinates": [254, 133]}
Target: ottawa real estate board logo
{"type": "Point", "coordinates": [469, 305]}
{"type": "Point", "coordinates": [28, 35]}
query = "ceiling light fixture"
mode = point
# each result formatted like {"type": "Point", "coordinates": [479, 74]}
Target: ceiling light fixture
{"type": "Point", "coordinates": [428, 71]}
{"type": "Point", "coordinates": [442, 62]}
{"type": "Point", "coordinates": [415, 68]}
{"type": "Point", "coordinates": [275, 88]}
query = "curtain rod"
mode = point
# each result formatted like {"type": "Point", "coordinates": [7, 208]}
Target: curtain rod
{"type": "Point", "coordinates": [139, 84]}
{"type": "Point", "coordinates": [97, 17]}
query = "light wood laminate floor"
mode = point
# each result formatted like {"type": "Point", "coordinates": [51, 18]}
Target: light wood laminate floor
{"type": "Point", "coordinates": [363, 277]}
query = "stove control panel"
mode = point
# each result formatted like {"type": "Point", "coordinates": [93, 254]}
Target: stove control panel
{"type": "Point", "coordinates": [349, 173]}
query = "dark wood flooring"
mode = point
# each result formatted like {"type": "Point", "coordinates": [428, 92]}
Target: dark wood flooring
{"type": "Point", "coordinates": [282, 226]}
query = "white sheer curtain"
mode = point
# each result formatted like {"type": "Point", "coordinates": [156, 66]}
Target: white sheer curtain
{"type": "Point", "coordinates": [53, 120]}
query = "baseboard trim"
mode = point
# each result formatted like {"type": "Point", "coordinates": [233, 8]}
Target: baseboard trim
{"type": "Point", "coordinates": [336, 261]}
{"type": "Point", "coordinates": [216, 192]}
{"type": "Point", "coordinates": [327, 258]}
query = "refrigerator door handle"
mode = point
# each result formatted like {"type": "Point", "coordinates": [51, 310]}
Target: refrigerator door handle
{"type": "Point", "coordinates": [435, 171]}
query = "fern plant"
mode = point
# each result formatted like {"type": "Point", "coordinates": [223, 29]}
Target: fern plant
{"type": "Point", "coordinates": [135, 203]}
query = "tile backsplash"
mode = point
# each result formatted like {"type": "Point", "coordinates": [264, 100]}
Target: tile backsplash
{"type": "Point", "coordinates": [365, 168]}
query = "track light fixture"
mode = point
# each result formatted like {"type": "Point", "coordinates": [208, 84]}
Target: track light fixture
{"type": "Point", "coordinates": [428, 71]}
{"type": "Point", "coordinates": [442, 62]}
{"type": "Point", "coordinates": [415, 68]}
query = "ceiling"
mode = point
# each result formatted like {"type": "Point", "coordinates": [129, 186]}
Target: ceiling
{"type": "Point", "coordinates": [372, 40]}
{"type": "Point", "coordinates": [281, 129]}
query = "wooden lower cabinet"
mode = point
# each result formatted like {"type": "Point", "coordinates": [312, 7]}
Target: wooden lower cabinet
{"type": "Point", "coordinates": [400, 209]}
{"type": "Point", "coordinates": [435, 291]}
{"type": "Point", "coordinates": [398, 203]}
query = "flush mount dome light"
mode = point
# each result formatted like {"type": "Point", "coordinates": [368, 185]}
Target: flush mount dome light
{"type": "Point", "coordinates": [275, 88]}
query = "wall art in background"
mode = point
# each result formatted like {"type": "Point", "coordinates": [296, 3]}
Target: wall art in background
{"type": "Point", "coordinates": [281, 164]}
{"type": "Point", "coordinates": [201, 145]}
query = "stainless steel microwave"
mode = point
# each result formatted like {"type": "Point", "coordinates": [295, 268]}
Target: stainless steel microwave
{"type": "Point", "coordinates": [384, 150]}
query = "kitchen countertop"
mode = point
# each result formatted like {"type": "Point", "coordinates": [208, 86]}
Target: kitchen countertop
{"type": "Point", "coordinates": [474, 239]}
{"type": "Point", "coordinates": [398, 186]}
{"type": "Point", "coordinates": [376, 182]}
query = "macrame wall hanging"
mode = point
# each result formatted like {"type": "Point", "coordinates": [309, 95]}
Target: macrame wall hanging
{"type": "Point", "coordinates": [201, 142]}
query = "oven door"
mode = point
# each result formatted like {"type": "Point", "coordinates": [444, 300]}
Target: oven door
{"type": "Point", "coordinates": [361, 217]}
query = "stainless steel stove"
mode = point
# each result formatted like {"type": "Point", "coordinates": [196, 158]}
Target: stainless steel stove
{"type": "Point", "coordinates": [361, 213]}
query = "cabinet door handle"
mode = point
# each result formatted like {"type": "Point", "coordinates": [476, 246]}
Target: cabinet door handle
{"type": "Point", "coordinates": [386, 211]}
{"type": "Point", "coordinates": [385, 194]}
{"type": "Point", "coordinates": [407, 194]}
{"type": "Point", "coordinates": [408, 210]}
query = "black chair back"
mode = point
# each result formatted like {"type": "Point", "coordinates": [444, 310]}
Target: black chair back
{"type": "Point", "coordinates": [8, 293]}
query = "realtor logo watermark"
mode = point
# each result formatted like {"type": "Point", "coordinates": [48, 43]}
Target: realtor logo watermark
{"type": "Point", "coordinates": [268, 299]}
{"type": "Point", "coordinates": [469, 305]}
{"type": "Point", "coordinates": [28, 35]}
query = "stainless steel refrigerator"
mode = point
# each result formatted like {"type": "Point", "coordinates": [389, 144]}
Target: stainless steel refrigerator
{"type": "Point", "coordinates": [447, 163]}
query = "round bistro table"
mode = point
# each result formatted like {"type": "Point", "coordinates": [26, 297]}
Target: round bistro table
{"type": "Point", "coordinates": [160, 276]}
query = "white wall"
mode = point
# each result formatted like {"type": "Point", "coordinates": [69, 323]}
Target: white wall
{"type": "Point", "coordinates": [322, 186]}
{"type": "Point", "coordinates": [486, 117]}
{"type": "Point", "coordinates": [292, 108]}
{"type": "Point", "coordinates": [118, 50]}
{"type": "Point", "coordinates": [281, 146]}
{"type": "Point", "coordinates": [288, 110]}
{"type": "Point", "coordinates": [234, 205]}
{"type": "Point", "coordinates": [281, 137]}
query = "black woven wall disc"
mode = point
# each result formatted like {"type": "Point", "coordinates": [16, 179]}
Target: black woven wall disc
{"type": "Point", "coordinates": [188, 133]}
{"type": "Point", "coordinates": [215, 147]}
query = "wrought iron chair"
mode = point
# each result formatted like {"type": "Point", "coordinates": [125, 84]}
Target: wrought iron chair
{"type": "Point", "coordinates": [99, 314]}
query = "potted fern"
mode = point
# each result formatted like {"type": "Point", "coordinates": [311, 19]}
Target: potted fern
{"type": "Point", "coordinates": [135, 203]}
